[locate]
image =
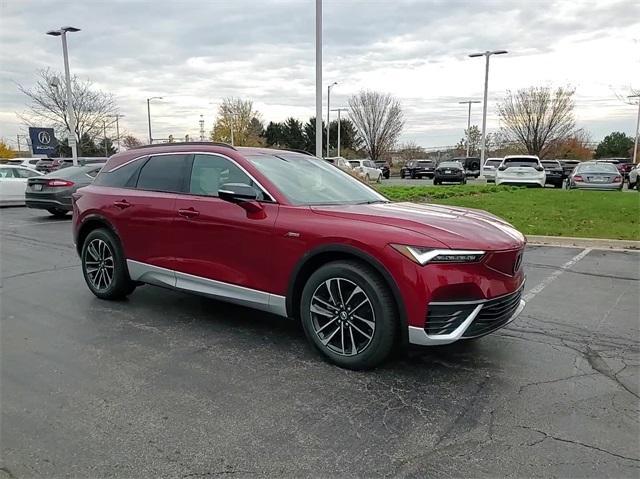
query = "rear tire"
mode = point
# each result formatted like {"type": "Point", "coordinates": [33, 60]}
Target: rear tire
{"type": "Point", "coordinates": [104, 266]}
{"type": "Point", "coordinates": [57, 213]}
{"type": "Point", "coordinates": [330, 299]}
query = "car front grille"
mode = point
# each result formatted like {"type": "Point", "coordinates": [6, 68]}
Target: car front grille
{"type": "Point", "coordinates": [494, 314]}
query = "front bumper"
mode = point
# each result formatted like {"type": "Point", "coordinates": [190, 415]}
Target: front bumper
{"type": "Point", "coordinates": [468, 320]}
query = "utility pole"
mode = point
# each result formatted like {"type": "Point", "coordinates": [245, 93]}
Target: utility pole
{"type": "Point", "coordinates": [635, 144]}
{"type": "Point", "coordinates": [319, 78]}
{"type": "Point", "coordinates": [104, 139]}
{"type": "Point", "coordinates": [469, 123]}
{"type": "Point", "coordinates": [339, 110]}
{"type": "Point", "coordinates": [70, 113]}
{"type": "Point", "coordinates": [201, 128]}
{"type": "Point", "coordinates": [486, 54]}
{"type": "Point", "coordinates": [328, 110]}
{"type": "Point", "coordinates": [149, 115]}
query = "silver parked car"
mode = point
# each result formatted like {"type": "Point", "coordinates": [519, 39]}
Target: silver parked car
{"type": "Point", "coordinates": [595, 175]}
{"type": "Point", "coordinates": [489, 169]}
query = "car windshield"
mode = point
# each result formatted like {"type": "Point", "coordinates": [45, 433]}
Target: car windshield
{"type": "Point", "coordinates": [597, 168]}
{"type": "Point", "coordinates": [305, 180]}
{"type": "Point", "coordinates": [450, 164]}
{"type": "Point", "coordinates": [493, 162]}
{"type": "Point", "coordinates": [520, 162]}
{"type": "Point", "coordinates": [425, 163]}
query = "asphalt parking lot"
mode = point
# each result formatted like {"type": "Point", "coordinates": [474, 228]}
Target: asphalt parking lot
{"type": "Point", "coordinates": [166, 384]}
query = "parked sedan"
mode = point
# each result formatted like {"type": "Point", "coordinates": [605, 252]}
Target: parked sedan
{"type": "Point", "coordinates": [418, 169]}
{"type": "Point", "coordinates": [52, 192]}
{"type": "Point", "coordinates": [450, 172]}
{"type": "Point", "coordinates": [384, 167]}
{"type": "Point", "coordinates": [594, 175]}
{"type": "Point", "coordinates": [521, 170]}
{"type": "Point", "coordinates": [633, 178]}
{"type": "Point", "coordinates": [489, 169]}
{"type": "Point", "coordinates": [554, 173]}
{"type": "Point", "coordinates": [367, 170]}
{"type": "Point", "coordinates": [13, 182]}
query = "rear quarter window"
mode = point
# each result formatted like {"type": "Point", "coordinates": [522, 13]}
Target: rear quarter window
{"type": "Point", "coordinates": [124, 176]}
{"type": "Point", "coordinates": [164, 173]}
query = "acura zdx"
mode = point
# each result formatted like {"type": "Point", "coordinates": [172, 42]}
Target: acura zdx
{"type": "Point", "coordinates": [288, 233]}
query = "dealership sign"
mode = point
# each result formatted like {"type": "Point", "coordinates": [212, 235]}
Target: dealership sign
{"type": "Point", "coordinates": [43, 141]}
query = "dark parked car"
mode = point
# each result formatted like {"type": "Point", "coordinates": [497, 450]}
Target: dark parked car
{"type": "Point", "coordinates": [384, 167]}
{"type": "Point", "coordinates": [568, 166]}
{"type": "Point", "coordinates": [418, 169]}
{"type": "Point", "coordinates": [471, 165]}
{"type": "Point", "coordinates": [288, 233]}
{"type": "Point", "coordinates": [624, 165]}
{"type": "Point", "coordinates": [450, 172]}
{"type": "Point", "coordinates": [554, 171]}
{"type": "Point", "coordinates": [47, 165]}
{"type": "Point", "coordinates": [52, 192]}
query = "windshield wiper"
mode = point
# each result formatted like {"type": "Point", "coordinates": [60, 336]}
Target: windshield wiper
{"type": "Point", "coordinates": [372, 202]}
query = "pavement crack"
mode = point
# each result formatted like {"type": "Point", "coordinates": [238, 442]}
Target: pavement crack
{"type": "Point", "coordinates": [598, 364]}
{"type": "Point", "coordinates": [19, 275]}
{"type": "Point", "coordinates": [551, 381]}
{"type": "Point", "coordinates": [571, 441]}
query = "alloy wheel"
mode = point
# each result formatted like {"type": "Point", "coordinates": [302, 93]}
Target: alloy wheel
{"type": "Point", "coordinates": [342, 316]}
{"type": "Point", "coordinates": [99, 264]}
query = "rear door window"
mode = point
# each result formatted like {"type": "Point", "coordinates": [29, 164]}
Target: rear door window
{"type": "Point", "coordinates": [164, 173]}
{"type": "Point", "coordinates": [210, 172]}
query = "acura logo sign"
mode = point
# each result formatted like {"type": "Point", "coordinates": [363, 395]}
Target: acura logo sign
{"type": "Point", "coordinates": [44, 137]}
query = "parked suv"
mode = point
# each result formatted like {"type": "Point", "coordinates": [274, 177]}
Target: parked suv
{"type": "Point", "coordinates": [384, 167]}
{"type": "Point", "coordinates": [524, 170]}
{"type": "Point", "coordinates": [418, 169]}
{"type": "Point", "coordinates": [290, 234]}
{"type": "Point", "coordinates": [554, 173]}
{"type": "Point", "coordinates": [367, 169]}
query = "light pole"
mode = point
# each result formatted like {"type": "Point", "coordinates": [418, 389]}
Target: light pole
{"type": "Point", "coordinates": [319, 78]}
{"type": "Point", "coordinates": [149, 115]}
{"type": "Point", "coordinates": [328, 110]}
{"type": "Point", "coordinates": [72, 119]}
{"type": "Point", "coordinates": [469, 122]}
{"type": "Point", "coordinates": [635, 144]}
{"type": "Point", "coordinates": [117, 116]}
{"type": "Point", "coordinates": [486, 54]}
{"type": "Point", "coordinates": [339, 110]}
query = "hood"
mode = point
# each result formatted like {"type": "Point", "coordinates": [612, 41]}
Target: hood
{"type": "Point", "coordinates": [458, 228]}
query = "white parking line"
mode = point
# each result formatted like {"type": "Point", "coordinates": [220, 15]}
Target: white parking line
{"type": "Point", "coordinates": [553, 276]}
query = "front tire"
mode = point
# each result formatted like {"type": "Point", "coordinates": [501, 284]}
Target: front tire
{"type": "Point", "coordinates": [348, 314]}
{"type": "Point", "coordinates": [104, 266]}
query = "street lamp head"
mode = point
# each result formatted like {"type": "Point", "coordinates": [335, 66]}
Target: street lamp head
{"type": "Point", "coordinates": [54, 33]}
{"type": "Point", "coordinates": [499, 52]}
{"type": "Point", "coordinates": [70, 29]}
{"type": "Point", "coordinates": [475, 55]}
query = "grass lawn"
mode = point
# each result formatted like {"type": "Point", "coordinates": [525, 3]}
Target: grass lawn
{"type": "Point", "coordinates": [587, 214]}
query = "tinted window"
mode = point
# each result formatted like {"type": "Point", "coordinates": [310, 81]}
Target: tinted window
{"type": "Point", "coordinates": [493, 163]}
{"type": "Point", "coordinates": [163, 173]}
{"type": "Point", "coordinates": [520, 162]}
{"type": "Point", "coordinates": [450, 164]}
{"type": "Point", "coordinates": [122, 177]}
{"type": "Point", "coordinates": [355, 164]}
{"type": "Point", "coordinates": [596, 168]}
{"type": "Point", "coordinates": [550, 164]}
{"type": "Point", "coordinates": [22, 173]}
{"type": "Point", "coordinates": [210, 172]}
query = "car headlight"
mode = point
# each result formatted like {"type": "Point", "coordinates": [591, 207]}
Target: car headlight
{"type": "Point", "coordinates": [424, 256]}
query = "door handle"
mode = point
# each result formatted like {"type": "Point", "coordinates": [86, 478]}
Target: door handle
{"type": "Point", "coordinates": [122, 204]}
{"type": "Point", "coordinates": [188, 213]}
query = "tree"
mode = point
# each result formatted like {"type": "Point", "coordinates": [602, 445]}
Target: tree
{"type": "Point", "coordinates": [473, 136]}
{"type": "Point", "coordinates": [293, 134]}
{"type": "Point", "coordinates": [576, 147]}
{"type": "Point", "coordinates": [274, 135]}
{"type": "Point", "coordinates": [130, 141]}
{"type": "Point", "coordinates": [349, 139]}
{"type": "Point", "coordinates": [310, 135]}
{"type": "Point", "coordinates": [238, 115]}
{"type": "Point", "coordinates": [411, 151]}
{"type": "Point", "coordinates": [100, 147]}
{"type": "Point", "coordinates": [538, 117]}
{"type": "Point", "coordinates": [616, 144]}
{"type": "Point", "coordinates": [378, 120]}
{"type": "Point", "coordinates": [5, 150]}
{"type": "Point", "coordinates": [48, 105]}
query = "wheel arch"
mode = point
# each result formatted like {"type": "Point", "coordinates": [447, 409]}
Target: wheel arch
{"type": "Point", "coordinates": [88, 225]}
{"type": "Point", "coordinates": [322, 255]}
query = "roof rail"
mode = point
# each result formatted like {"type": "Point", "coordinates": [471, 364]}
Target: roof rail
{"type": "Point", "coordinates": [186, 143]}
{"type": "Point", "coordinates": [304, 152]}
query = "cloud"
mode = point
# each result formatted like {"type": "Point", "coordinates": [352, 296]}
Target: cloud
{"type": "Point", "coordinates": [194, 53]}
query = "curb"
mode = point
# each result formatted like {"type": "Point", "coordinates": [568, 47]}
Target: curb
{"type": "Point", "coordinates": [594, 243]}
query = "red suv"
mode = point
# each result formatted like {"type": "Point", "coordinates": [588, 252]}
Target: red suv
{"type": "Point", "coordinates": [288, 233]}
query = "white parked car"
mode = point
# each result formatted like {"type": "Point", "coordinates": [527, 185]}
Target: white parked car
{"type": "Point", "coordinates": [521, 170]}
{"type": "Point", "coordinates": [13, 183]}
{"type": "Point", "coordinates": [28, 162]}
{"type": "Point", "coordinates": [633, 177]}
{"type": "Point", "coordinates": [367, 169]}
{"type": "Point", "coordinates": [489, 169]}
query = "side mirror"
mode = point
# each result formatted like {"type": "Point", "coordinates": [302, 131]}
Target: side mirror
{"type": "Point", "coordinates": [502, 168]}
{"type": "Point", "coordinates": [237, 193]}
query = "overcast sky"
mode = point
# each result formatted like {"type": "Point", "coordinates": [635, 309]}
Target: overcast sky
{"type": "Point", "coordinates": [193, 53]}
